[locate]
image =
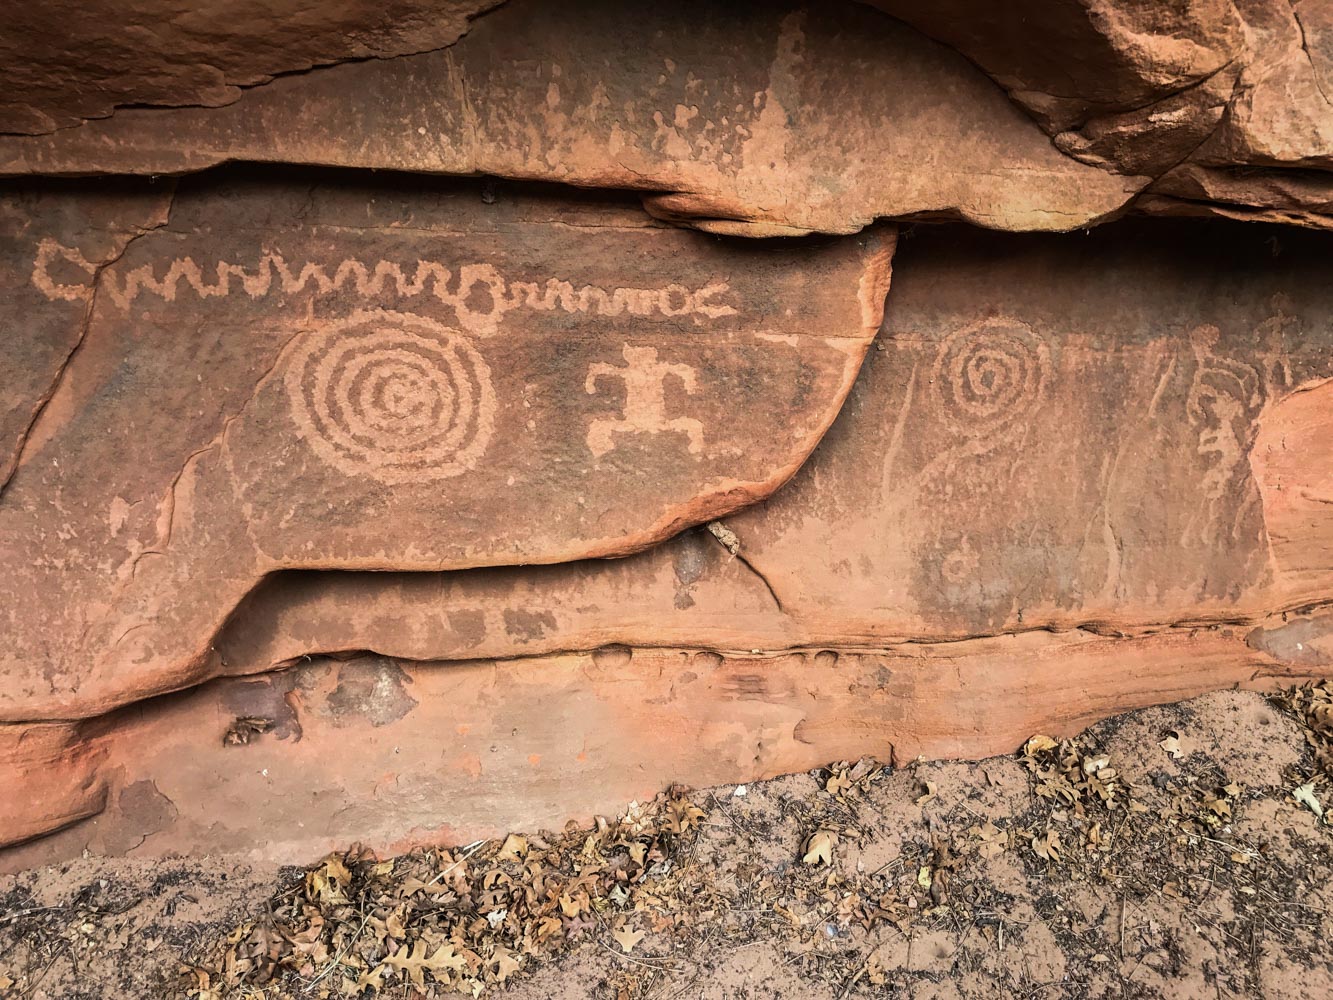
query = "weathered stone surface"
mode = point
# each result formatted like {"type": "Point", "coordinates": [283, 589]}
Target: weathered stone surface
{"type": "Point", "coordinates": [756, 118]}
{"type": "Point", "coordinates": [42, 334]}
{"type": "Point", "coordinates": [1226, 103]}
{"type": "Point", "coordinates": [1293, 197]}
{"type": "Point", "coordinates": [1121, 432]}
{"type": "Point", "coordinates": [1281, 115]}
{"type": "Point", "coordinates": [63, 62]}
{"type": "Point", "coordinates": [393, 754]}
{"type": "Point", "coordinates": [1077, 475]}
{"type": "Point", "coordinates": [1271, 153]}
{"type": "Point", "coordinates": [815, 117]}
{"type": "Point", "coordinates": [1071, 62]}
{"type": "Point", "coordinates": [371, 378]}
{"type": "Point", "coordinates": [1065, 435]}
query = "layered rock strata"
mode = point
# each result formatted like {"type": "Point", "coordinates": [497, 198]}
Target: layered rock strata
{"type": "Point", "coordinates": [749, 117]}
{"type": "Point", "coordinates": [339, 505]}
{"type": "Point", "coordinates": [1071, 477]}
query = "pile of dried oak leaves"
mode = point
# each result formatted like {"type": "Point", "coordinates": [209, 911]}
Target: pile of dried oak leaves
{"type": "Point", "coordinates": [468, 919]}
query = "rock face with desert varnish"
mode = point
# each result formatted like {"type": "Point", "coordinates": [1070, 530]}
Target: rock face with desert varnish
{"type": "Point", "coordinates": [1118, 433]}
{"type": "Point", "coordinates": [1036, 507]}
{"type": "Point", "coordinates": [752, 117]}
{"type": "Point", "coordinates": [340, 506]}
{"type": "Point", "coordinates": [258, 388]}
{"type": "Point", "coordinates": [759, 119]}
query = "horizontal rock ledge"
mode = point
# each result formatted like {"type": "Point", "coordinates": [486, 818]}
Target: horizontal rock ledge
{"type": "Point", "coordinates": [756, 119]}
{"type": "Point", "coordinates": [391, 754]}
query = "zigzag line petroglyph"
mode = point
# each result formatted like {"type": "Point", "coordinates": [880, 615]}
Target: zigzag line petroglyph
{"type": "Point", "coordinates": [457, 289]}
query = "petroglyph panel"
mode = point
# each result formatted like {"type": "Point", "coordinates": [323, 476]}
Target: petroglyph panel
{"type": "Point", "coordinates": [374, 281]}
{"type": "Point", "coordinates": [1069, 433]}
{"type": "Point", "coordinates": [1074, 475]}
{"type": "Point", "coordinates": [1136, 435]}
{"type": "Point", "coordinates": [449, 382]}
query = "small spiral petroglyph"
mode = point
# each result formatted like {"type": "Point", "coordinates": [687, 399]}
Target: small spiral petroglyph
{"type": "Point", "coordinates": [991, 375]}
{"type": "Point", "coordinates": [394, 397]}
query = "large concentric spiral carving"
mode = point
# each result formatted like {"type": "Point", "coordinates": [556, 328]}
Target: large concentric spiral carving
{"type": "Point", "coordinates": [991, 375]}
{"type": "Point", "coordinates": [394, 397]}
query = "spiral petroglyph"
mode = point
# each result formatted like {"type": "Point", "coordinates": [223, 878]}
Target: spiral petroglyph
{"type": "Point", "coordinates": [394, 397]}
{"type": "Point", "coordinates": [991, 375]}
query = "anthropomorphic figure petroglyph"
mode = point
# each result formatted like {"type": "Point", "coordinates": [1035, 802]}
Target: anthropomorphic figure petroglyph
{"type": "Point", "coordinates": [645, 400]}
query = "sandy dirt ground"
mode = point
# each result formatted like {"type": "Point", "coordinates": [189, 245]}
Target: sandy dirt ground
{"type": "Point", "coordinates": [1170, 852]}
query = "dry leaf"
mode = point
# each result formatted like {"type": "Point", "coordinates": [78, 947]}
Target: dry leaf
{"type": "Point", "coordinates": [729, 539]}
{"type": "Point", "coordinates": [819, 848]}
{"type": "Point", "coordinates": [1172, 745]}
{"type": "Point", "coordinates": [515, 848]}
{"type": "Point", "coordinates": [1305, 795]}
{"type": "Point", "coordinates": [627, 938]}
{"type": "Point", "coordinates": [503, 964]}
{"type": "Point", "coordinates": [1047, 846]}
{"type": "Point", "coordinates": [837, 783]}
{"type": "Point", "coordinates": [875, 970]}
{"type": "Point", "coordinates": [1095, 765]}
{"type": "Point", "coordinates": [993, 839]}
{"type": "Point", "coordinates": [1037, 744]}
{"type": "Point", "coordinates": [370, 978]}
{"type": "Point", "coordinates": [415, 962]}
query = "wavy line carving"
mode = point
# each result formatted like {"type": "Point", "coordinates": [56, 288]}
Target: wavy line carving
{"type": "Point", "coordinates": [478, 293]}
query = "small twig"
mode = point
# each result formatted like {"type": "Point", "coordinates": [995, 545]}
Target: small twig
{"type": "Point", "coordinates": [652, 963]}
{"type": "Point", "coordinates": [26, 913]}
{"type": "Point", "coordinates": [725, 813]}
{"type": "Point", "coordinates": [852, 982]}
{"type": "Point", "coordinates": [337, 959]}
{"type": "Point", "coordinates": [887, 865]}
{"type": "Point", "coordinates": [472, 849]}
{"type": "Point", "coordinates": [1122, 927]}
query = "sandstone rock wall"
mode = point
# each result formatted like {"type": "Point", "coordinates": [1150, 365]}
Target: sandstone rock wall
{"type": "Point", "coordinates": [340, 505]}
